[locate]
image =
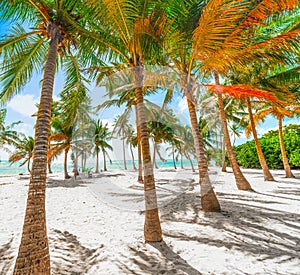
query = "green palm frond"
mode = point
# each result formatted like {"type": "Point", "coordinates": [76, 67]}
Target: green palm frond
{"type": "Point", "coordinates": [22, 58]}
{"type": "Point", "coordinates": [20, 10]}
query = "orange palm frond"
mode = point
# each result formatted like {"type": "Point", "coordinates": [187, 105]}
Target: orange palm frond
{"type": "Point", "coordinates": [222, 35]}
{"type": "Point", "coordinates": [241, 91]}
{"type": "Point", "coordinates": [266, 7]}
{"type": "Point", "coordinates": [218, 20]}
{"type": "Point", "coordinates": [58, 137]}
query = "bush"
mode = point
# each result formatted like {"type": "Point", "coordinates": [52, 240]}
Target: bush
{"type": "Point", "coordinates": [247, 157]}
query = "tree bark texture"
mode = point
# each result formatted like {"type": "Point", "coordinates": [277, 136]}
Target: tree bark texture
{"type": "Point", "coordinates": [286, 165]}
{"type": "Point", "coordinates": [152, 227]}
{"type": "Point", "coordinates": [33, 255]}
{"type": "Point", "coordinates": [140, 161]}
{"type": "Point", "coordinates": [267, 174]}
{"type": "Point", "coordinates": [241, 182]}
{"type": "Point", "coordinates": [209, 200]}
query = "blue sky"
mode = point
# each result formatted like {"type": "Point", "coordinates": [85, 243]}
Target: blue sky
{"type": "Point", "coordinates": [22, 106]}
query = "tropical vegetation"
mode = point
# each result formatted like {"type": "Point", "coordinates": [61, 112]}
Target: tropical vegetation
{"type": "Point", "coordinates": [225, 50]}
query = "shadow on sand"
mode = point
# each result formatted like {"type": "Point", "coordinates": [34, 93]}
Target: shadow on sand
{"type": "Point", "coordinates": [257, 230]}
{"type": "Point", "coordinates": [69, 256]}
{"type": "Point", "coordinates": [161, 259]}
{"type": "Point", "coordinates": [6, 257]}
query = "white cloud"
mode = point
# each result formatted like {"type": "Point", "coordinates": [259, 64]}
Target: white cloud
{"type": "Point", "coordinates": [110, 123]}
{"type": "Point", "coordinates": [26, 129]}
{"type": "Point", "coordinates": [182, 105]}
{"type": "Point", "coordinates": [24, 104]}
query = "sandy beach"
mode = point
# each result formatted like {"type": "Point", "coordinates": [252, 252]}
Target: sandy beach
{"type": "Point", "coordinates": [95, 225]}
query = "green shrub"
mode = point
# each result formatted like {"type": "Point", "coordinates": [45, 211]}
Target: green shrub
{"type": "Point", "coordinates": [247, 157]}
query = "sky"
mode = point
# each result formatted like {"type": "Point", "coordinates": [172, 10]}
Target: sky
{"type": "Point", "coordinates": [23, 105]}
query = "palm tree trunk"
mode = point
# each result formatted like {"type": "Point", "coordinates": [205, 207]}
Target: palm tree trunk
{"type": "Point", "coordinates": [97, 161]}
{"type": "Point", "coordinates": [209, 200]}
{"type": "Point", "coordinates": [223, 155]}
{"type": "Point", "coordinates": [287, 169]}
{"type": "Point", "coordinates": [33, 255]}
{"type": "Point", "coordinates": [49, 166]}
{"type": "Point", "coordinates": [67, 176]}
{"type": "Point", "coordinates": [267, 175]}
{"type": "Point", "coordinates": [152, 228]}
{"type": "Point", "coordinates": [191, 162]}
{"type": "Point", "coordinates": [28, 165]}
{"type": "Point", "coordinates": [104, 161]}
{"type": "Point", "coordinates": [138, 131]}
{"type": "Point", "coordinates": [124, 154]}
{"type": "Point", "coordinates": [132, 156]}
{"type": "Point", "coordinates": [241, 181]}
{"type": "Point", "coordinates": [173, 156]}
{"type": "Point", "coordinates": [84, 160]}
{"type": "Point", "coordinates": [154, 155]}
{"type": "Point", "coordinates": [181, 162]}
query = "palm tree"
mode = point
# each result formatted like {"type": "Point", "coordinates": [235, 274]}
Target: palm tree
{"type": "Point", "coordinates": [55, 30]}
{"type": "Point", "coordinates": [120, 125]}
{"type": "Point", "coordinates": [131, 140]}
{"type": "Point", "coordinates": [226, 38]}
{"type": "Point", "coordinates": [24, 150]}
{"type": "Point", "coordinates": [282, 80]}
{"type": "Point", "coordinates": [133, 34]}
{"type": "Point", "coordinates": [63, 136]}
{"type": "Point", "coordinates": [7, 135]}
{"type": "Point", "coordinates": [101, 135]}
{"type": "Point", "coordinates": [185, 16]}
{"type": "Point", "coordinates": [267, 174]}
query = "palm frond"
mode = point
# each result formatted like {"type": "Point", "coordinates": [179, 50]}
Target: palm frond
{"type": "Point", "coordinates": [22, 58]}
{"type": "Point", "coordinates": [241, 91]}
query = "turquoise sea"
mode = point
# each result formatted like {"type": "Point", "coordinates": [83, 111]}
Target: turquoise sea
{"type": "Point", "coordinates": [14, 169]}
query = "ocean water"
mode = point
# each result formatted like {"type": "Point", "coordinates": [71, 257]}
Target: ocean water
{"type": "Point", "coordinates": [15, 169]}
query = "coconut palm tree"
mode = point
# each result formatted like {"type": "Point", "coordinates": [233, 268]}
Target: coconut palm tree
{"type": "Point", "coordinates": [8, 136]}
{"type": "Point", "coordinates": [100, 135]}
{"type": "Point", "coordinates": [226, 37]}
{"type": "Point", "coordinates": [54, 30]}
{"type": "Point", "coordinates": [289, 109]}
{"type": "Point", "coordinates": [24, 150]}
{"type": "Point", "coordinates": [131, 140]}
{"type": "Point", "coordinates": [267, 174]}
{"type": "Point", "coordinates": [63, 137]}
{"type": "Point", "coordinates": [185, 16]}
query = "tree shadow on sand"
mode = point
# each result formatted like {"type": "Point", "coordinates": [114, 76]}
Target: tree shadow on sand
{"type": "Point", "coordinates": [6, 257]}
{"type": "Point", "coordinates": [251, 229]}
{"type": "Point", "coordinates": [69, 256]}
{"type": "Point", "coordinates": [159, 259]}
{"type": "Point", "coordinates": [68, 183]}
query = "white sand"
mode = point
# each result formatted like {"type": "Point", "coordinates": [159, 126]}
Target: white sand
{"type": "Point", "coordinates": [95, 226]}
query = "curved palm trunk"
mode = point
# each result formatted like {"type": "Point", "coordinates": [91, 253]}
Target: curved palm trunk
{"type": "Point", "coordinates": [49, 166]}
{"type": "Point", "coordinates": [67, 176]}
{"type": "Point", "coordinates": [33, 255]}
{"type": "Point", "coordinates": [138, 131]}
{"type": "Point", "coordinates": [287, 169]}
{"type": "Point", "coordinates": [152, 228]}
{"type": "Point", "coordinates": [223, 155]}
{"type": "Point", "coordinates": [28, 165]}
{"type": "Point", "coordinates": [132, 156]}
{"type": "Point", "coordinates": [104, 161]}
{"type": "Point", "coordinates": [181, 162]}
{"type": "Point", "coordinates": [124, 154]}
{"type": "Point", "coordinates": [267, 175]}
{"type": "Point", "coordinates": [173, 156]}
{"type": "Point", "coordinates": [191, 162]}
{"type": "Point", "coordinates": [97, 161]}
{"type": "Point", "coordinates": [241, 181]}
{"type": "Point", "coordinates": [209, 200]}
{"type": "Point", "coordinates": [154, 154]}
